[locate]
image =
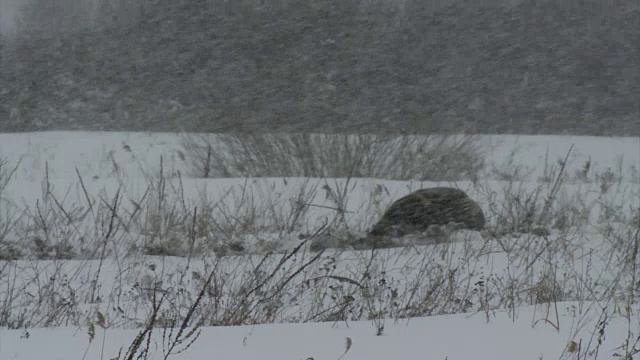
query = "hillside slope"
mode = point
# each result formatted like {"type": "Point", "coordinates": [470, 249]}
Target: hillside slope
{"type": "Point", "coordinates": [333, 65]}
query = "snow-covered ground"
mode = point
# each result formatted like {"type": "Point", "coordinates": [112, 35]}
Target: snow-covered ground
{"type": "Point", "coordinates": [438, 337]}
{"type": "Point", "coordinates": [95, 153]}
{"type": "Point", "coordinates": [90, 216]}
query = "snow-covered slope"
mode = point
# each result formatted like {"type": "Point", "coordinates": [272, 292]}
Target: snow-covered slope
{"type": "Point", "coordinates": [83, 209]}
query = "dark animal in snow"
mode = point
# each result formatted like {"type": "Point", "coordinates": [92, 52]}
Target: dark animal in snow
{"type": "Point", "coordinates": [421, 209]}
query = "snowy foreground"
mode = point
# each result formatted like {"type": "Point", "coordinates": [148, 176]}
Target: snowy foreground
{"type": "Point", "coordinates": [439, 337]}
{"type": "Point", "coordinates": [99, 240]}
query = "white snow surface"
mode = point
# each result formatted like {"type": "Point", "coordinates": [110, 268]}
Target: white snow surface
{"type": "Point", "coordinates": [439, 337]}
{"type": "Point", "coordinates": [95, 152]}
{"type": "Point", "coordinates": [108, 161]}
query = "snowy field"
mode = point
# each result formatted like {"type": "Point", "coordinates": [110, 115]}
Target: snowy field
{"type": "Point", "coordinates": [441, 337]}
{"type": "Point", "coordinates": [109, 238]}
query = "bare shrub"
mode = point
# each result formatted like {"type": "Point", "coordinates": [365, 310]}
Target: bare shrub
{"type": "Point", "coordinates": [430, 157]}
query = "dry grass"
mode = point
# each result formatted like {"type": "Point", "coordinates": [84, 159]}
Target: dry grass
{"type": "Point", "coordinates": [415, 157]}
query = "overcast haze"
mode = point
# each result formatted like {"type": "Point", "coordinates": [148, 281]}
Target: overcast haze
{"type": "Point", "coordinates": [563, 67]}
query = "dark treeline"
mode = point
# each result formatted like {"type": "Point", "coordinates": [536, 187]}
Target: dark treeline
{"type": "Point", "coordinates": [526, 66]}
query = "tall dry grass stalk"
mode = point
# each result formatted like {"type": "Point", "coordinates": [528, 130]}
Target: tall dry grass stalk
{"type": "Point", "coordinates": [410, 157]}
